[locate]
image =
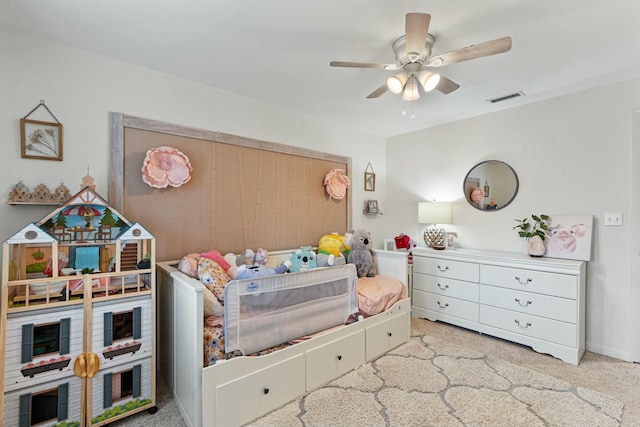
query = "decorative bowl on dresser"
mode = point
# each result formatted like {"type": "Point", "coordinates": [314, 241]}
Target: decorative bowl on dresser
{"type": "Point", "coordinates": [538, 302]}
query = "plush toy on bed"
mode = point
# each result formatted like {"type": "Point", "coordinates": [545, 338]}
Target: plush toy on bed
{"type": "Point", "coordinates": [252, 271]}
{"type": "Point", "coordinates": [360, 255]}
{"type": "Point", "coordinates": [214, 278]}
{"type": "Point", "coordinates": [303, 259]}
{"type": "Point", "coordinates": [331, 250]}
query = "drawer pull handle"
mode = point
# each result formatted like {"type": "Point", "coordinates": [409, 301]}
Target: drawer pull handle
{"type": "Point", "coordinates": [446, 304]}
{"type": "Point", "coordinates": [443, 287]}
{"type": "Point", "coordinates": [443, 269]}
{"type": "Point", "coordinates": [523, 327]}
{"type": "Point", "coordinates": [521, 304]}
{"type": "Point", "coordinates": [523, 282]}
{"type": "Point", "coordinates": [265, 391]}
{"type": "Point", "coordinates": [339, 357]}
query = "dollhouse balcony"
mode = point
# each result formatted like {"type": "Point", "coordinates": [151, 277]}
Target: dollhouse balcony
{"type": "Point", "coordinates": [112, 352]}
{"type": "Point", "coordinates": [32, 369]}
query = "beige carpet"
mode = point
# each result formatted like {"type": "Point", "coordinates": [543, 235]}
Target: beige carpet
{"type": "Point", "coordinates": [609, 376]}
{"type": "Point", "coordinates": [430, 381]}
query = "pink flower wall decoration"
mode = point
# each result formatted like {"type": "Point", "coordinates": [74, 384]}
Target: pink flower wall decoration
{"type": "Point", "coordinates": [164, 166]}
{"type": "Point", "coordinates": [336, 183]}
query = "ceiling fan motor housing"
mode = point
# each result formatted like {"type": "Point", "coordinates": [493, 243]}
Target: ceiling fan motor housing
{"type": "Point", "coordinates": [403, 57]}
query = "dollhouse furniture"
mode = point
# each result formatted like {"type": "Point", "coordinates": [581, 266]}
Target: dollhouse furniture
{"type": "Point", "coordinates": [77, 320]}
{"type": "Point", "coordinates": [538, 302]}
{"type": "Point", "coordinates": [240, 389]}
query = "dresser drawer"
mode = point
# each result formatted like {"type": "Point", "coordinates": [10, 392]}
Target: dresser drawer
{"type": "Point", "coordinates": [533, 326]}
{"type": "Point", "coordinates": [555, 308]}
{"type": "Point", "coordinates": [249, 397]}
{"type": "Point", "coordinates": [450, 306]}
{"type": "Point", "coordinates": [446, 268]}
{"type": "Point", "coordinates": [560, 285]}
{"type": "Point", "coordinates": [450, 287]}
{"type": "Point", "coordinates": [383, 337]}
{"type": "Point", "coordinates": [334, 359]}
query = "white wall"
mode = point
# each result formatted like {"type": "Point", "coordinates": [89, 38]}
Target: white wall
{"type": "Point", "coordinates": [81, 89]}
{"type": "Point", "coordinates": [572, 155]}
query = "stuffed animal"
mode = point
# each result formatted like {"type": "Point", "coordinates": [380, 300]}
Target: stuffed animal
{"type": "Point", "coordinates": [360, 255]}
{"type": "Point", "coordinates": [253, 271]}
{"type": "Point", "coordinates": [331, 250]}
{"type": "Point", "coordinates": [214, 278]}
{"type": "Point", "coordinates": [189, 265]}
{"type": "Point", "coordinates": [260, 257]}
{"type": "Point", "coordinates": [303, 259]}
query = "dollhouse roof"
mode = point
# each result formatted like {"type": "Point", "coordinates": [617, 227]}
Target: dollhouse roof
{"type": "Point", "coordinates": [85, 198]}
{"type": "Point", "coordinates": [31, 234]}
{"type": "Point", "coordinates": [83, 211]}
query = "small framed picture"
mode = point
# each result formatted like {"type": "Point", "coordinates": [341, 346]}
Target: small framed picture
{"type": "Point", "coordinates": [40, 140]}
{"type": "Point", "coordinates": [372, 206]}
{"type": "Point", "coordinates": [369, 181]}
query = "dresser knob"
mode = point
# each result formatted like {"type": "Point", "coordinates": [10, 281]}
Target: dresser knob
{"type": "Point", "coordinates": [390, 334]}
{"type": "Point", "coordinates": [446, 304]}
{"type": "Point", "coordinates": [443, 287]}
{"type": "Point", "coordinates": [523, 327]}
{"type": "Point", "coordinates": [443, 269]}
{"type": "Point", "coordinates": [521, 304]}
{"type": "Point", "coordinates": [525, 282]}
{"type": "Point", "coordinates": [339, 357]}
{"type": "Point", "coordinates": [265, 391]}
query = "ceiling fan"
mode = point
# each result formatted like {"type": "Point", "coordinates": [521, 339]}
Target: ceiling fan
{"type": "Point", "coordinates": [413, 57]}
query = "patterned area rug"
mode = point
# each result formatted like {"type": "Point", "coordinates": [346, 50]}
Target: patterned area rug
{"type": "Point", "coordinates": [431, 382]}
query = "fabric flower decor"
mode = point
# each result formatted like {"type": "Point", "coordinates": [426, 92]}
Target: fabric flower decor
{"type": "Point", "coordinates": [336, 183]}
{"type": "Point", "coordinates": [164, 166]}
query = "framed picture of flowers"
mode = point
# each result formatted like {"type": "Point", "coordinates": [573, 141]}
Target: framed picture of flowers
{"type": "Point", "coordinates": [40, 140]}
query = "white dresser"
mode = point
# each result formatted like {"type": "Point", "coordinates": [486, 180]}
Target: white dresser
{"type": "Point", "coordinates": [538, 302]}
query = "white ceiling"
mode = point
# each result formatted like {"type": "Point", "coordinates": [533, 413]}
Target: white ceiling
{"type": "Point", "coordinates": [278, 51]}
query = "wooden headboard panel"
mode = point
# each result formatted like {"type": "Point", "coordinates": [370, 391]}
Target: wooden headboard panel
{"type": "Point", "coordinates": [243, 193]}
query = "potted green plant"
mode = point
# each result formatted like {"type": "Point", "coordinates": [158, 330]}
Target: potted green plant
{"type": "Point", "coordinates": [534, 232]}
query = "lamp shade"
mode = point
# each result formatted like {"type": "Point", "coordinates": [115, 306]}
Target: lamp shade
{"type": "Point", "coordinates": [434, 213]}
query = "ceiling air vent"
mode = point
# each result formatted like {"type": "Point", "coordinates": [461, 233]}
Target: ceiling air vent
{"type": "Point", "coordinates": [506, 97]}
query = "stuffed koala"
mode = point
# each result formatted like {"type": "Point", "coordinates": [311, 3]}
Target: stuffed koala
{"type": "Point", "coordinates": [360, 255]}
{"type": "Point", "coordinates": [303, 259]}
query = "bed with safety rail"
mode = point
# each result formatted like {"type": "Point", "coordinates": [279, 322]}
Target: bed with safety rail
{"type": "Point", "coordinates": [320, 322]}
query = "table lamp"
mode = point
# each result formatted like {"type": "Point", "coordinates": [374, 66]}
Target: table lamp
{"type": "Point", "coordinates": [434, 213]}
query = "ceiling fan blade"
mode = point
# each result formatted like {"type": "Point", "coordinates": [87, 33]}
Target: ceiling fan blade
{"type": "Point", "coordinates": [376, 93]}
{"type": "Point", "coordinates": [491, 47]}
{"type": "Point", "coordinates": [446, 86]}
{"type": "Point", "coordinates": [416, 30]}
{"type": "Point", "coordinates": [391, 67]}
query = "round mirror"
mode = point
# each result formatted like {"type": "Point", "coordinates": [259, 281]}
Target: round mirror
{"type": "Point", "coordinates": [490, 185]}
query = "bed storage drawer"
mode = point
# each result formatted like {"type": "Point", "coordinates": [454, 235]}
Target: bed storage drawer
{"type": "Point", "coordinates": [257, 393]}
{"type": "Point", "coordinates": [387, 335]}
{"type": "Point", "coordinates": [334, 359]}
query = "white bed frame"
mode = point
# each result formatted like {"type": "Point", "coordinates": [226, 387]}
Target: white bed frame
{"type": "Point", "coordinates": [241, 389]}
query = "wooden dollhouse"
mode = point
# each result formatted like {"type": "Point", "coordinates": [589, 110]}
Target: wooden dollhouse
{"type": "Point", "coordinates": [77, 325]}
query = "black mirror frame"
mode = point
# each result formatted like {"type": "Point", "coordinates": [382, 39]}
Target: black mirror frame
{"type": "Point", "coordinates": [513, 196]}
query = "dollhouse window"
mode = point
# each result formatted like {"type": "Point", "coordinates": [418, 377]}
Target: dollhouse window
{"type": "Point", "coordinates": [45, 339]}
{"type": "Point", "coordinates": [85, 257]}
{"type": "Point", "coordinates": [122, 385]}
{"type": "Point", "coordinates": [44, 406]}
{"type": "Point", "coordinates": [122, 325]}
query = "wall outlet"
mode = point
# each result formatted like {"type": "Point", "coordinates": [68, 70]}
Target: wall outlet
{"type": "Point", "coordinates": [613, 218]}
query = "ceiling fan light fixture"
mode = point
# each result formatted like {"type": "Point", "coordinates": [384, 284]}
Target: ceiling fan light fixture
{"type": "Point", "coordinates": [428, 80]}
{"type": "Point", "coordinates": [397, 83]}
{"type": "Point", "coordinates": [411, 91]}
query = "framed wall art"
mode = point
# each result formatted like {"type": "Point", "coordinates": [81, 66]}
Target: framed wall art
{"type": "Point", "coordinates": [40, 140]}
{"type": "Point", "coordinates": [369, 178]}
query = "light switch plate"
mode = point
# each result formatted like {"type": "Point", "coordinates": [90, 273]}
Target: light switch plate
{"type": "Point", "coordinates": [613, 218]}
